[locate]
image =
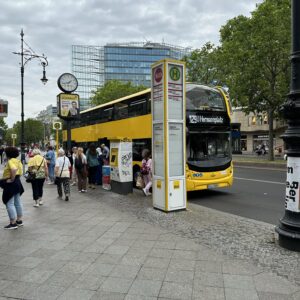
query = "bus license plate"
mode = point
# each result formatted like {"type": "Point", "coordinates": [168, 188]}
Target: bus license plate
{"type": "Point", "coordinates": [212, 186]}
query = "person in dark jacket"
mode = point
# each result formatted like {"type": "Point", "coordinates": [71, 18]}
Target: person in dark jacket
{"type": "Point", "coordinates": [92, 164]}
{"type": "Point", "coordinates": [12, 188]}
{"type": "Point", "coordinates": [1, 154]}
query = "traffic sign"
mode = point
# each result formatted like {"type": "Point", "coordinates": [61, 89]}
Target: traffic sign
{"type": "Point", "coordinates": [57, 125]}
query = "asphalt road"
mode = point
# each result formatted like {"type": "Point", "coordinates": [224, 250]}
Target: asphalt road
{"type": "Point", "coordinates": [256, 194]}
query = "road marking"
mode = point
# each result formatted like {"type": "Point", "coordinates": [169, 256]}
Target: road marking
{"type": "Point", "coordinates": [260, 168]}
{"type": "Point", "coordinates": [265, 181]}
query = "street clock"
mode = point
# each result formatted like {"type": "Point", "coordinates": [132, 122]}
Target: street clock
{"type": "Point", "coordinates": [67, 82]}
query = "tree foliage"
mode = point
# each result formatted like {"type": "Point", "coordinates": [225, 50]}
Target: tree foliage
{"type": "Point", "coordinates": [202, 64]}
{"type": "Point", "coordinates": [252, 59]}
{"type": "Point", "coordinates": [33, 132]}
{"type": "Point", "coordinates": [113, 90]}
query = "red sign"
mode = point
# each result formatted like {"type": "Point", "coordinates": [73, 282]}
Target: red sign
{"type": "Point", "coordinates": [158, 75]}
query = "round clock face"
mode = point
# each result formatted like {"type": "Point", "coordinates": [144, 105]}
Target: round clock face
{"type": "Point", "coordinates": [67, 82]}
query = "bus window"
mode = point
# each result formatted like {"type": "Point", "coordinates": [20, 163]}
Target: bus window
{"type": "Point", "coordinates": [199, 98]}
{"type": "Point", "coordinates": [138, 146]}
{"type": "Point", "coordinates": [106, 114]}
{"type": "Point", "coordinates": [137, 108]}
{"type": "Point", "coordinates": [121, 111]}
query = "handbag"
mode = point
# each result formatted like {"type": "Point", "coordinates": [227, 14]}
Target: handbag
{"type": "Point", "coordinates": [30, 176]}
{"type": "Point", "coordinates": [57, 179]}
{"type": "Point", "coordinates": [140, 181]}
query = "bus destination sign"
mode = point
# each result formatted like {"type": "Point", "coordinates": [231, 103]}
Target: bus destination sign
{"type": "Point", "coordinates": [201, 119]}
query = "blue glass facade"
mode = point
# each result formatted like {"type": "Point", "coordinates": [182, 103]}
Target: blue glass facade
{"type": "Point", "coordinates": [124, 62]}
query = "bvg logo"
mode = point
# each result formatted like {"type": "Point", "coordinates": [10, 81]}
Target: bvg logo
{"type": "Point", "coordinates": [212, 175]}
{"type": "Point", "coordinates": [197, 175]}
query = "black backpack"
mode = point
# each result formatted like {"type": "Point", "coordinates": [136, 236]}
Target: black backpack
{"type": "Point", "coordinates": [78, 163]}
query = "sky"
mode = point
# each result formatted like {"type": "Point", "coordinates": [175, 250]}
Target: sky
{"type": "Point", "coordinates": [51, 27]}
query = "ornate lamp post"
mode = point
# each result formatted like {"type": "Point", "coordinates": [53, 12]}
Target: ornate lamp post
{"type": "Point", "coordinates": [289, 226]}
{"type": "Point", "coordinates": [27, 54]}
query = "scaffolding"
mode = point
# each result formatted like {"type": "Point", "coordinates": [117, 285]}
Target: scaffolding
{"type": "Point", "coordinates": [131, 61]}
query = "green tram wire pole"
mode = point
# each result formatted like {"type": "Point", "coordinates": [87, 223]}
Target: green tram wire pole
{"type": "Point", "coordinates": [289, 225]}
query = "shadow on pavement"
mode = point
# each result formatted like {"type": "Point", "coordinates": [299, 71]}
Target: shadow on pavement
{"type": "Point", "coordinates": [206, 194]}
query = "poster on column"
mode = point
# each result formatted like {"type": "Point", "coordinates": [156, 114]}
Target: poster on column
{"type": "Point", "coordinates": [292, 201]}
{"type": "Point", "coordinates": [176, 151]}
{"type": "Point", "coordinates": [125, 161]}
{"type": "Point", "coordinates": [175, 91]}
{"type": "Point", "coordinates": [158, 92]}
{"type": "Point", "coordinates": [158, 151]}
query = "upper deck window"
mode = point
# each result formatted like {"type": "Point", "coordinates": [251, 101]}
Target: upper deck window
{"type": "Point", "coordinates": [204, 98]}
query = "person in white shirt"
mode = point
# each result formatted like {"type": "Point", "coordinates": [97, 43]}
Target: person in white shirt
{"type": "Point", "coordinates": [62, 174]}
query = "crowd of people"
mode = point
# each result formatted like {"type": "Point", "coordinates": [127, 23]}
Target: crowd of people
{"type": "Point", "coordinates": [68, 168]}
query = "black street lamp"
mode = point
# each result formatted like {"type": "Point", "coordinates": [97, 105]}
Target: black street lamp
{"type": "Point", "coordinates": [28, 54]}
{"type": "Point", "coordinates": [289, 225]}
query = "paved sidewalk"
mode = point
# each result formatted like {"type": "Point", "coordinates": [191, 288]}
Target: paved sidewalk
{"type": "Point", "coordinates": [93, 247]}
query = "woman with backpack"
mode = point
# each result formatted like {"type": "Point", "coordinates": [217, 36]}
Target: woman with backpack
{"type": "Point", "coordinates": [37, 165]}
{"type": "Point", "coordinates": [92, 163]}
{"type": "Point", "coordinates": [80, 167]}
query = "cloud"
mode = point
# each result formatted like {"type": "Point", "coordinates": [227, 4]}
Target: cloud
{"type": "Point", "coordinates": [52, 26]}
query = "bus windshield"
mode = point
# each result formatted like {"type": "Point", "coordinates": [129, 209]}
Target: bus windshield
{"type": "Point", "coordinates": [208, 149]}
{"type": "Point", "coordinates": [203, 98]}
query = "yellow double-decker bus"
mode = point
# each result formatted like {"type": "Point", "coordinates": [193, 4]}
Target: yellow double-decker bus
{"type": "Point", "coordinates": [208, 135]}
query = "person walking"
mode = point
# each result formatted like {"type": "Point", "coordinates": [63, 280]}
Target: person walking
{"type": "Point", "coordinates": [62, 174]}
{"type": "Point", "coordinates": [74, 173]}
{"type": "Point", "coordinates": [50, 157]}
{"type": "Point", "coordinates": [92, 163]}
{"type": "Point", "coordinates": [13, 188]}
{"type": "Point", "coordinates": [38, 165]}
{"type": "Point", "coordinates": [81, 170]}
{"type": "Point", "coordinates": [146, 171]}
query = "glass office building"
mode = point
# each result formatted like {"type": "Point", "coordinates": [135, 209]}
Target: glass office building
{"type": "Point", "coordinates": [94, 65]}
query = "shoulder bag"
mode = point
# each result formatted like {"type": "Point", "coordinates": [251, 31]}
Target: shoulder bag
{"type": "Point", "coordinates": [30, 176]}
{"type": "Point", "coordinates": [57, 179]}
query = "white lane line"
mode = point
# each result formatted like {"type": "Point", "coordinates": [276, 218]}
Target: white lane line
{"type": "Point", "coordinates": [264, 181]}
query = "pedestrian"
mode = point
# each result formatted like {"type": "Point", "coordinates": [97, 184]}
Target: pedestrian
{"type": "Point", "coordinates": [70, 157]}
{"type": "Point", "coordinates": [74, 173]}
{"type": "Point", "coordinates": [38, 165]}
{"type": "Point", "coordinates": [99, 168]}
{"type": "Point", "coordinates": [12, 188]}
{"type": "Point", "coordinates": [146, 171]}
{"type": "Point", "coordinates": [81, 170]}
{"type": "Point", "coordinates": [62, 174]}
{"type": "Point", "coordinates": [92, 163]}
{"type": "Point", "coordinates": [105, 154]}
{"type": "Point", "coordinates": [50, 157]}
{"type": "Point", "coordinates": [1, 153]}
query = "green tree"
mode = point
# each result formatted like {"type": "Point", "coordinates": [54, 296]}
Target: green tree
{"type": "Point", "coordinates": [113, 90]}
{"type": "Point", "coordinates": [255, 53]}
{"type": "Point", "coordinates": [3, 129]}
{"type": "Point", "coordinates": [33, 131]}
{"type": "Point", "coordinates": [202, 64]}
{"type": "Point", "coordinates": [7, 136]}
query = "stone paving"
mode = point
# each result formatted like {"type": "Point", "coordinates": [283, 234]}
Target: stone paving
{"type": "Point", "coordinates": [102, 245]}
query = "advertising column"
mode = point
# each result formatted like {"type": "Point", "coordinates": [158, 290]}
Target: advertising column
{"type": "Point", "coordinates": [168, 135]}
{"type": "Point", "coordinates": [121, 166]}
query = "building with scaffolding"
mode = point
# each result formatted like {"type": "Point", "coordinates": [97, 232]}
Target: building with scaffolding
{"type": "Point", "coordinates": [94, 65]}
